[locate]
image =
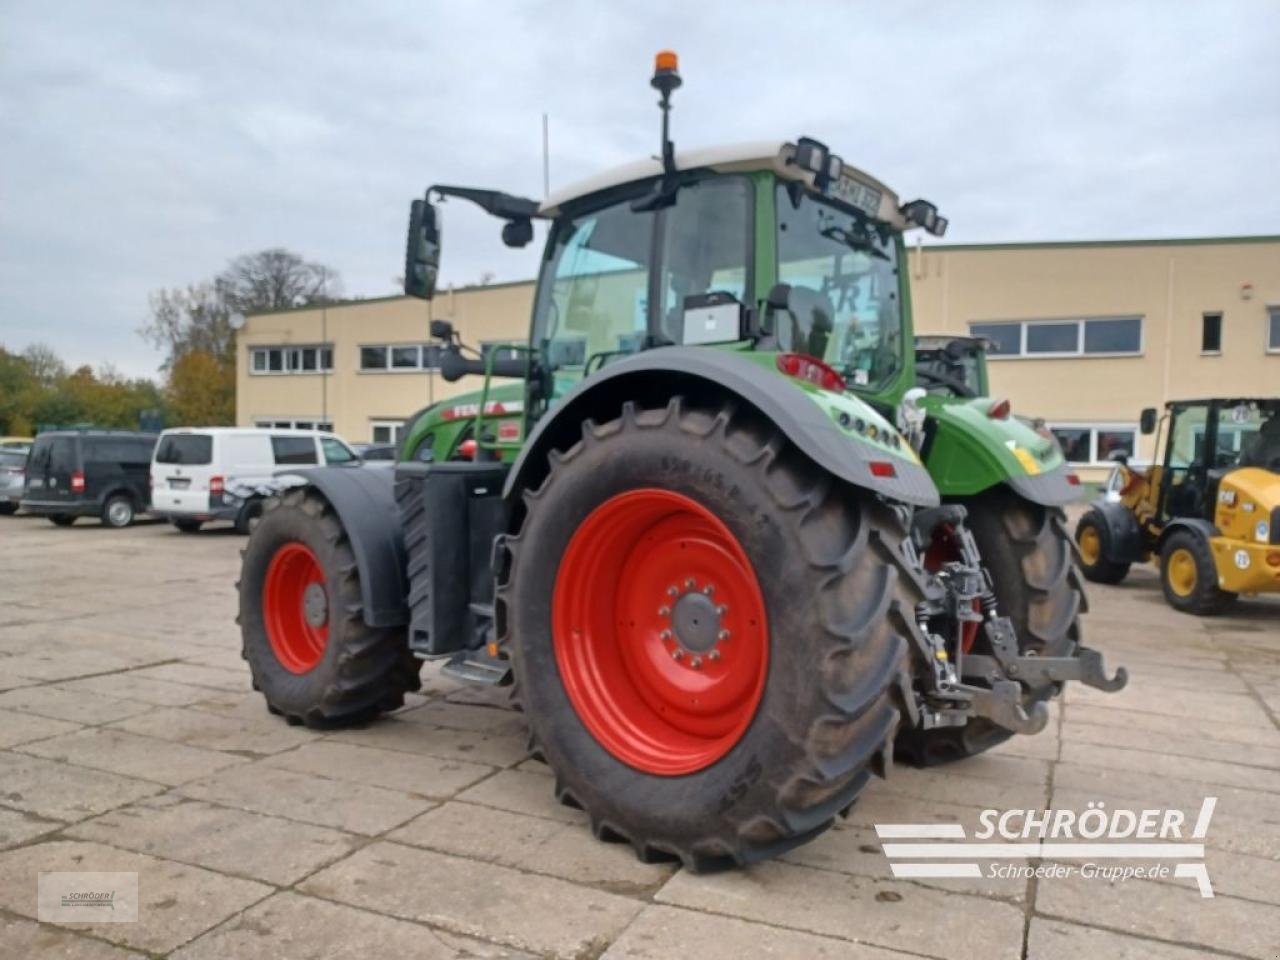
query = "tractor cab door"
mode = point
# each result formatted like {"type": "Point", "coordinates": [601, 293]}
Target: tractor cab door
{"type": "Point", "coordinates": [1189, 455]}
{"type": "Point", "coordinates": [615, 280]}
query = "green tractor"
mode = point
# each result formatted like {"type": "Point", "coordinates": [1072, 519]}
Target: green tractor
{"type": "Point", "coordinates": [728, 554]}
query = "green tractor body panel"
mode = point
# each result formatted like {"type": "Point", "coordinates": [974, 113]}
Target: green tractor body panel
{"type": "Point", "coordinates": [970, 451]}
{"type": "Point", "coordinates": [440, 430]}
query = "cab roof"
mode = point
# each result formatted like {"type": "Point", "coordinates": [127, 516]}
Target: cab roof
{"type": "Point", "coordinates": [746, 157]}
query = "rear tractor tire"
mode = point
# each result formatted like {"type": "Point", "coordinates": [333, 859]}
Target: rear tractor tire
{"type": "Point", "coordinates": [1189, 576]}
{"type": "Point", "coordinates": [1028, 552]}
{"type": "Point", "coordinates": [1094, 543]}
{"type": "Point", "coordinates": [309, 649]}
{"type": "Point", "coordinates": [709, 634]}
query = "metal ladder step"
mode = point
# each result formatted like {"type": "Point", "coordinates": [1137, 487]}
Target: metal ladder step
{"type": "Point", "coordinates": [476, 666]}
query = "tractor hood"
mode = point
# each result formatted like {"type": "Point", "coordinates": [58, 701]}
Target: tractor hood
{"type": "Point", "coordinates": [968, 451]}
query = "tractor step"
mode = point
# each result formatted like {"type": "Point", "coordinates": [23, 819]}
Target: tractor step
{"type": "Point", "coordinates": [476, 666]}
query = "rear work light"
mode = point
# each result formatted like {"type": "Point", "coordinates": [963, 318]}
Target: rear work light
{"type": "Point", "coordinates": [217, 485]}
{"type": "Point", "coordinates": [77, 482]}
{"type": "Point", "coordinates": [812, 370]}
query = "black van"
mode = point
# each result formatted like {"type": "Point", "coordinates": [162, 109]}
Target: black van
{"type": "Point", "coordinates": [89, 473]}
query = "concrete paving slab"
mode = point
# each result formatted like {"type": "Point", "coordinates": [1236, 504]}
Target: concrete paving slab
{"type": "Point", "coordinates": [710, 937]}
{"type": "Point", "coordinates": [16, 728]}
{"type": "Point", "coordinates": [530, 912]}
{"type": "Point", "coordinates": [176, 902]}
{"type": "Point", "coordinates": [27, 938]}
{"type": "Point", "coordinates": [421, 774]}
{"type": "Point", "coordinates": [263, 735]}
{"type": "Point", "coordinates": [291, 925]}
{"type": "Point", "coordinates": [78, 707]}
{"type": "Point", "coordinates": [143, 757]}
{"type": "Point", "coordinates": [354, 807]}
{"type": "Point", "coordinates": [225, 839]}
{"type": "Point", "coordinates": [891, 914]}
{"type": "Point", "coordinates": [61, 791]}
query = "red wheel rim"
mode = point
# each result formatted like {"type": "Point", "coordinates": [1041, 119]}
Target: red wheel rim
{"type": "Point", "coordinates": [295, 608]}
{"type": "Point", "coordinates": [660, 632]}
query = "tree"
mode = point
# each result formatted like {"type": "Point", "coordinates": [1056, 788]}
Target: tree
{"type": "Point", "coordinates": [201, 390]}
{"type": "Point", "coordinates": [198, 316]}
{"type": "Point", "coordinates": [275, 279]}
{"type": "Point", "coordinates": [196, 320]}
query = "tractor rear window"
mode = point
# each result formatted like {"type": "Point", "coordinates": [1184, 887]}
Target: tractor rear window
{"type": "Point", "coordinates": [188, 449]}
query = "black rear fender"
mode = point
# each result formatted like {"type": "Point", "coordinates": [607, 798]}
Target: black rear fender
{"type": "Point", "coordinates": [364, 500]}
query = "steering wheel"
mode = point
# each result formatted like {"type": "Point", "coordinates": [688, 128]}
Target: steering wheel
{"type": "Point", "coordinates": [961, 388]}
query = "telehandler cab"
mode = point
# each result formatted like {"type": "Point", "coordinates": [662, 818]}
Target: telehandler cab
{"type": "Point", "coordinates": [1208, 511]}
{"type": "Point", "coordinates": [727, 552]}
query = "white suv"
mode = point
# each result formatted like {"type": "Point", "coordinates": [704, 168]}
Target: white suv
{"type": "Point", "coordinates": [224, 473]}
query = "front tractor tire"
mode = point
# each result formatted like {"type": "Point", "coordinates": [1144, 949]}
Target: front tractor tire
{"type": "Point", "coordinates": [709, 634]}
{"type": "Point", "coordinates": [1189, 576]}
{"type": "Point", "coordinates": [1027, 550]}
{"type": "Point", "coordinates": [309, 650]}
{"type": "Point", "coordinates": [1094, 542]}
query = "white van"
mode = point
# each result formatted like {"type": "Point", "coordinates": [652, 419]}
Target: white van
{"type": "Point", "coordinates": [224, 473]}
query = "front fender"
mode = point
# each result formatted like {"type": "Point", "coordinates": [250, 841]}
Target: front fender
{"type": "Point", "coordinates": [364, 500]}
{"type": "Point", "coordinates": [808, 416]}
{"type": "Point", "coordinates": [1124, 541]}
{"type": "Point", "coordinates": [968, 452]}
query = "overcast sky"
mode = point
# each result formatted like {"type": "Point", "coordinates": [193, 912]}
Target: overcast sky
{"type": "Point", "coordinates": [142, 145]}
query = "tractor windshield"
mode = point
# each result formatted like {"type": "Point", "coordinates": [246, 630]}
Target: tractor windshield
{"type": "Point", "coordinates": [851, 263]}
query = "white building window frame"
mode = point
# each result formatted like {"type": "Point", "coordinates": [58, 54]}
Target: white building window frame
{"type": "Point", "coordinates": [395, 430]}
{"type": "Point", "coordinates": [292, 359]}
{"type": "Point", "coordinates": [296, 422]}
{"type": "Point", "coordinates": [1094, 428]}
{"type": "Point", "coordinates": [1079, 352]}
{"type": "Point", "coordinates": [428, 357]}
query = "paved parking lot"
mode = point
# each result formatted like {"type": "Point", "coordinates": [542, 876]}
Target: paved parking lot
{"type": "Point", "coordinates": [130, 741]}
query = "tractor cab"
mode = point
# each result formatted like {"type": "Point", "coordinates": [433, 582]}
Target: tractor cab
{"type": "Point", "coordinates": [952, 366]}
{"type": "Point", "coordinates": [1209, 509]}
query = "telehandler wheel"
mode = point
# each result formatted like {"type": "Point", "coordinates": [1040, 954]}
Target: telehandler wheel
{"type": "Point", "coordinates": [309, 650]}
{"type": "Point", "coordinates": [708, 634]}
{"type": "Point", "coordinates": [1189, 576]}
{"type": "Point", "coordinates": [1094, 541]}
{"type": "Point", "coordinates": [1026, 548]}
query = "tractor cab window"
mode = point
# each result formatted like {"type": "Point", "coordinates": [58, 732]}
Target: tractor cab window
{"type": "Point", "coordinates": [844, 261]}
{"type": "Point", "coordinates": [593, 292]}
{"type": "Point", "coordinates": [706, 241]}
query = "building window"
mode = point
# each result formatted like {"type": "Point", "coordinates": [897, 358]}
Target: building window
{"type": "Point", "coordinates": [399, 357]}
{"type": "Point", "coordinates": [1211, 333]}
{"type": "Point", "coordinates": [500, 350]}
{"type": "Point", "coordinates": [1087, 336]}
{"type": "Point", "coordinates": [312, 358]}
{"type": "Point", "coordinates": [1092, 444]}
{"type": "Point", "coordinates": [284, 423]}
{"type": "Point", "coordinates": [386, 431]}
{"type": "Point", "coordinates": [1273, 329]}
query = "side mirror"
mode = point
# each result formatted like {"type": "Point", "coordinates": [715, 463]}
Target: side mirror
{"type": "Point", "coordinates": [1150, 417]}
{"type": "Point", "coordinates": [442, 330]}
{"type": "Point", "coordinates": [422, 251]}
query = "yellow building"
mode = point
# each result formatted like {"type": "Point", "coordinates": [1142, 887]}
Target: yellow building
{"type": "Point", "coordinates": [1086, 335]}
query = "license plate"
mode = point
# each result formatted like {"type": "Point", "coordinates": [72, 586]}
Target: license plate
{"type": "Point", "coordinates": [37, 483]}
{"type": "Point", "coordinates": [179, 484]}
{"type": "Point", "coordinates": [859, 195]}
